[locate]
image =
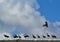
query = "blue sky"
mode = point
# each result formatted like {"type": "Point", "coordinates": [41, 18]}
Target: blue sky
{"type": "Point", "coordinates": [50, 9]}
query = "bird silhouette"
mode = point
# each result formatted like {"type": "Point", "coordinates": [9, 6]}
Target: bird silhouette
{"type": "Point", "coordinates": [25, 35]}
{"type": "Point", "coordinates": [19, 36]}
{"type": "Point", "coordinates": [48, 35]}
{"type": "Point", "coordinates": [34, 36]}
{"type": "Point", "coordinates": [15, 36]}
{"type": "Point", "coordinates": [53, 36]}
{"type": "Point", "coordinates": [46, 24]}
{"type": "Point", "coordinates": [6, 36]}
{"type": "Point", "coordinates": [38, 36]}
{"type": "Point", "coordinates": [44, 36]}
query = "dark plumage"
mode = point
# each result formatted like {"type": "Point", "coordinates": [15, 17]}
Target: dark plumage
{"type": "Point", "coordinates": [15, 36]}
{"type": "Point", "coordinates": [48, 35]}
{"type": "Point", "coordinates": [53, 36]}
{"type": "Point", "coordinates": [33, 36]}
{"type": "Point", "coordinates": [38, 36]}
{"type": "Point", "coordinates": [26, 36]}
{"type": "Point", "coordinates": [19, 36]}
{"type": "Point", "coordinates": [44, 36]}
{"type": "Point", "coordinates": [6, 36]}
{"type": "Point", "coordinates": [46, 24]}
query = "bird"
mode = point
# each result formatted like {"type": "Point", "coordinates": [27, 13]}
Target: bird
{"type": "Point", "coordinates": [38, 36]}
{"type": "Point", "coordinates": [53, 36]}
{"type": "Point", "coordinates": [44, 36]}
{"type": "Point", "coordinates": [15, 36]}
{"type": "Point", "coordinates": [48, 35]}
{"type": "Point", "coordinates": [25, 35]}
{"type": "Point", "coordinates": [33, 36]}
{"type": "Point", "coordinates": [19, 36]}
{"type": "Point", "coordinates": [46, 24]}
{"type": "Point", "coordinates": [6, 36]}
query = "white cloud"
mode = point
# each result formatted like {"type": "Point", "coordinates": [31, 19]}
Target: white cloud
{"type": "Point", "coordinates": [21, 13]}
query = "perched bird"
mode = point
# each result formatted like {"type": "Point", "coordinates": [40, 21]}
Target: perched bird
{"type": "Point", "coordinates": [6, 36]}
{"type": "Point", "coordinates": [48, 35]}
{"type": "Point", "coordinates": [44, 36]}
{"type": "Point", "coordinates": [46, 24]}
{"type": "Point", "coordinates": [15, 36]}
{"type": "Point", "coordinates": [25, 35]}
{"type": "Point", "coordinates": [38, 36]}
{"type": "Point", "coordinates": [19, 36]}
{"type": "Point", "coordinates": [53, 36]}
{"type": "Point", "coordinates": [33, 36]}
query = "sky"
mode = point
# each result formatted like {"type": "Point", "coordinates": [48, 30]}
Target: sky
{"type": "Point", "coordinates": [50, 9]}
{"type": "Point", "coordinates": [29, 16]}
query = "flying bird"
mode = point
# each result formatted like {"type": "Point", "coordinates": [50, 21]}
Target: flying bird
{"type": "Point", "coordinates": [46, 24]}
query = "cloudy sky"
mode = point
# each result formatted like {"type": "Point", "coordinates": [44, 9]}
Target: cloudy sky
{"type": "Point", "coordinates": [28, 16]}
